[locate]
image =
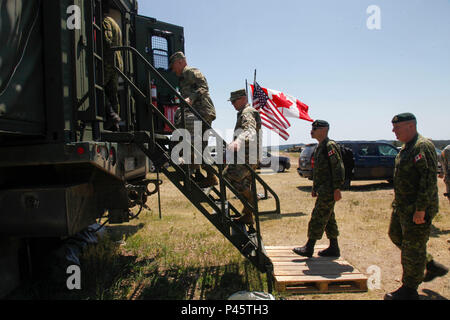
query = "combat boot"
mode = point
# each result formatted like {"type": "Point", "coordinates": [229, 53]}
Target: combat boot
{"type": "Point", "coordinates": [402, 293]}
{"type": "Point", "coordinates": [246, 217]}
{"type": "Point", "coordinates": [198, 177]}
{"type": "Point", "coordinates": [307, 250]}
{"type": "Point", "coordinates": [434, 269]}
{"type": "Point", "coordinates": [247, 214]}
{"type": "Point", "coordinates": [112, 120]}
{"type": "Point", "coordinates": [209, 181]}
{"type": "Point", "coordinates": [332, 250]}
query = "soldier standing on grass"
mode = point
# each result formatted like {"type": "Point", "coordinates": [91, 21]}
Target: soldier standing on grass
{"type": "Point", "coordinates": [246, 132]}
{"type": "Point", "coordinates": [328, 178]}
{"type": "Point", "coordinates": [415, 205]}
{"type": "Point", "coordinates": [445, 161]}
{"type": "Point", "coordinates": [194, 89]}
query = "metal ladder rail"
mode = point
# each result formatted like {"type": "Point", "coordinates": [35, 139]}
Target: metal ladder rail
{"type": "Point", "coordinates": [222, 222]}
{"type": "Point", "coordinates": [186, 105]}
{"type": "Point", "coordinates": [198, 153]}
{"type": "Point", "coordinates": [96, 92]}
{"type": "Point", "coordinates": [254, 175]}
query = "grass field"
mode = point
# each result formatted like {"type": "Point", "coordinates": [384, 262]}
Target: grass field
{"type": "Point", "coordinates": [183, 256]}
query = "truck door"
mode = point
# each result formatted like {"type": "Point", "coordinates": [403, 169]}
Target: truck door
{"type": "Point", "coordinates": [157, 41]}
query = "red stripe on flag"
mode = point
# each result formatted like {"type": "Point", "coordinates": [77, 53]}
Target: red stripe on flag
{"type": "Point", "coordinates": [272, 121]}
{"type": "Point", "coordinates": [278, 112]}
{"type": "Point", "coordinates": [270, 111]}
{"type": "Point", "coordinates": [275, 126]}
{"type": "Point", "coordinates": [284, 135]}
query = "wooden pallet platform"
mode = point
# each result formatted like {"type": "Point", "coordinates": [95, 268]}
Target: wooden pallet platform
{"type": "Point", "coordinates": [297, 274]}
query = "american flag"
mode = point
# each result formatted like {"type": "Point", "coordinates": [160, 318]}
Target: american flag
{"type": "Point", "coordinates": [271, 117]}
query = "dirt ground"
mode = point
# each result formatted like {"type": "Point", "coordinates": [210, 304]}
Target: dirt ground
{"type": "Point", "coordinates": [185, 240]}
{"type": "Point", "coordinates": [363, 217]}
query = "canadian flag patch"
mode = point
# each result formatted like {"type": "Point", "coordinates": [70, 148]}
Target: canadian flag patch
{"type": "Point", "coordinates": [418, 157]}
{"type": "Point", "coordinates": [331, 153]}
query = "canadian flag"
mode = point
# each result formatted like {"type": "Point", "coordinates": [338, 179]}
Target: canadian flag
{"type": "Point", "coordinates": [289, 106]}
{"type": "Point", "coordinates": [275, 106]}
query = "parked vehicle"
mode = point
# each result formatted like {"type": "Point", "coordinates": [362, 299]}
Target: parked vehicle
{"type": "Point", "coordinates": [305, 162]}
{"type": "Point", "coordinates": [440, 170]}
{"type": "Point", "coordinates": [372, 161]}
{"type": "Point", "coordinates": [277, 163]}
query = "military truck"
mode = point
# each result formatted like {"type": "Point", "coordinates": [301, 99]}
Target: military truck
{"type": "Point", "coordinates": [60, 170]}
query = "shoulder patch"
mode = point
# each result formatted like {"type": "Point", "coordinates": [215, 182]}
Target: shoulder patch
{"type": "Point", "coordinates": [331, 152]}
{"type": "Point", "coordinates": [418, 157]}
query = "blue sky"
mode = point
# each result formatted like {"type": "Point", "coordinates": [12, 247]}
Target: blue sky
{"type": "Point", "coordinates": [323, 53]}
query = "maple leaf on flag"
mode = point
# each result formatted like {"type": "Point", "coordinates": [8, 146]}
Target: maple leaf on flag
{"type": "Point", "coordinates": [274, 107]}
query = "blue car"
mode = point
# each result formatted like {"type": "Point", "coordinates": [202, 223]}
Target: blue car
{"type": "Point", "coordinates": [368, 161]}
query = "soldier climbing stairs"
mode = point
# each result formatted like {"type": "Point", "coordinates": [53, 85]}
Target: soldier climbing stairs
{"type": "Point", "coordinates": [211, 202]}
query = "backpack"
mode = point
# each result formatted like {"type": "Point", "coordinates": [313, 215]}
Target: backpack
{"type": "Point", "coordinates": [346, 156]}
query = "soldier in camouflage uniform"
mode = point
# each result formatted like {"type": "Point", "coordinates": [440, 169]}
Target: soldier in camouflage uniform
{"type": "Point", "coordinates": [112, 37]}
{"type": "Point", "coordinates": [414, 207]}
{"type": "Point", "coordinates": [246, 132]}
{"type": "Point", "coordinates": [194, 89]}
{"type": "Point", "coordinates": [445, 161]}
{"type": "Point", "coordinates": [328, 178]}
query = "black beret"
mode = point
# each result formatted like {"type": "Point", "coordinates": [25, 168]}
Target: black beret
{"type": "Point", "coordinates": [320, 124]}
{"type": "Point", "coordinates": [403, 117]}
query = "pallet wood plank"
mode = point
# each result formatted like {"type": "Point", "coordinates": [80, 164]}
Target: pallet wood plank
{"type": "Point", "coordinates": [296, 274]}
{"type": "Point", "coordinates": [324, 277]}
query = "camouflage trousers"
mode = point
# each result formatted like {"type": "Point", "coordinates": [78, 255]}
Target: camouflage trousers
{"type": "Point", "coordinates": [190, 120]}
{"type": "Point", "coordinates": [239, 176]}
{"type": "Point", "coordinates": [323, 218]}
{"type": "Point", "coordinates": [412, 240]}
{"type": "Point", "coordinates": [111, 85]}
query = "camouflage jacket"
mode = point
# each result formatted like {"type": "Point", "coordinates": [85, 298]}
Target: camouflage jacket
{"type": "Point", "coordinates": [415, 176]}
{"type": "Point", "coordinates": [194, 86]}
{"type": "Point", "coordinates": [329, 171]}
{"type": "Point", "coordinates": [445, 156]}
{"type": "Point", "coordinates": [112, 37]}
{"type": "Point", "coordinates": [247, 132]}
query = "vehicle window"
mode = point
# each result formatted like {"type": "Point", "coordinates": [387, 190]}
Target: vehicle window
{"type": "Point", "coordinates": [386, 150]}
{"type": "Point", "coordinates": [308, 151]}
{"type": "Point", "coordinates": [160, 50]}
{"type": "Point", "coordinates": [368, 150]}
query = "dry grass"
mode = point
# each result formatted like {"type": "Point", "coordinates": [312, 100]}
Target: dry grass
{"type": "Point", "coordinates": [183, 256]}
{"type": "Point", "coordinates": [363, 217]}
{"type": "Point", "coordinates": [188, 241]}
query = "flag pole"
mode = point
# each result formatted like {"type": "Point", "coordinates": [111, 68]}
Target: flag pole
{"type": "Point", "coordinates": [246, 88]}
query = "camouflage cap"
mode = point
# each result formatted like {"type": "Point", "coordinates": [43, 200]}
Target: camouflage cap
{"type": "Point", "coordinates": [176, 56]}
{"type": "Point", "coordinates": [403, 117]}
{"type": "Point", "coordinates": [237, 94]}
{"type": "Point", "coordinates": [320, 124]}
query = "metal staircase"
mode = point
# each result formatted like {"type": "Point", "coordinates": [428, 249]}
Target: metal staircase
{"type": "Point", "coordinates": [211, 202]}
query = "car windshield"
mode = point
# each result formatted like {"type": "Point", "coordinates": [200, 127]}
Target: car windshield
{"type": "Point", "coordinates": [308, 151]}
{"type": "Point", "coordinates": [387, 150]}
